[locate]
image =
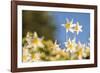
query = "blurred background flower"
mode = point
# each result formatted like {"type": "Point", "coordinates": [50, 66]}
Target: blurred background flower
{"type": "Point", "coordinates": [47, 50]}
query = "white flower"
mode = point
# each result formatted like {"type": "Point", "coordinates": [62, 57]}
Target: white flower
{"type": "Point", "coordinates": [26, 55]}
{"type": "Point", "coordinates": [77, 28]}
{"type": "Point", "coordinates": [36, 41]}
{"type": "Point", "coordinates": [86, 51]}
{"type": "Point", "coordinates": [70, 45]}
{"type": "Point", "coordinates": [80, 50]}
{"type": "Point", "coordinates": [36, 56]}
{"type": "Point", "coordinates": [56, 46]}
{"type": "Point", "coordinates": [28, 38]}
{"type": "Point", "coordinates": [68, 25]}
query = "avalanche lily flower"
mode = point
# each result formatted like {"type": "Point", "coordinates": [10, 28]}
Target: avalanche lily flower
{"type": "Point", "coordinates": [86, 51]}
{"type": "Point", "coordinates": [56, 46]}
{"type": "Point", "coordinates": [26, 55]}
{"type": "Point", "coordinates": [70, 45]}
{"type": "Point", "coordinates": [36, 41]}
{"type": "Point", "coordinates": [36, 57]}
{"type": "Point", "coordinates": [77, 28]}
{"type": "Point", "coordinates": [80, 50]}
{"type": "Point", "coordinates": [68, 25]}
{"type": "Point", "coordinates": [28, 38]}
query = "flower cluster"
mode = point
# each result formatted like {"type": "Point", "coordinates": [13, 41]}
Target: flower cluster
{"type": "Point", "coordinates": [72, 27]}
{"type": "Point", "coordinates": [36, 48]}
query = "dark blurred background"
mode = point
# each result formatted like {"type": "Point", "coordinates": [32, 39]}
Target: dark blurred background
{"type": "Point", "coordinates": [38, 21]}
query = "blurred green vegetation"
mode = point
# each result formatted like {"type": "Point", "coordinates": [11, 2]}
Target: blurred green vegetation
{"type": "Point", "coordinates": [38, 21]}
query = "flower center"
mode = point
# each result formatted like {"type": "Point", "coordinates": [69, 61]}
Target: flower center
{"type": "Point", "coordinates": [76, 28]}
{"type": "Point", "coordinates": [70, 45]}
{"type": "Point", "coordinates": [68, 26]}
{"type": "Point", "coordinates": [35, 41]}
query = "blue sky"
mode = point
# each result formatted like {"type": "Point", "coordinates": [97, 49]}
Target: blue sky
{"type": "Point", "coordinates": [61, 35]}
